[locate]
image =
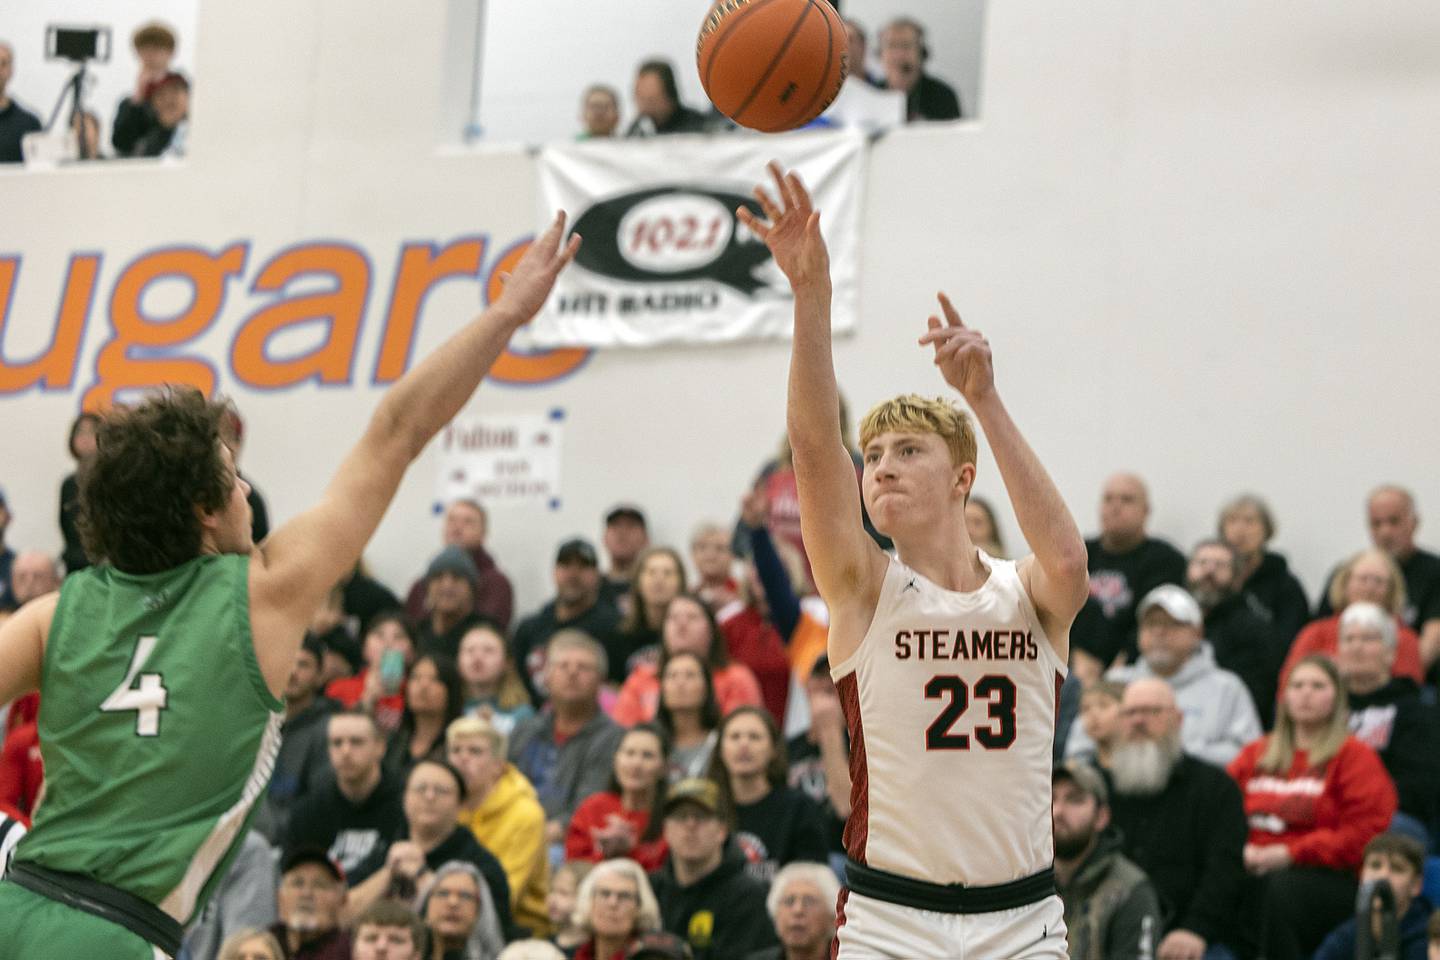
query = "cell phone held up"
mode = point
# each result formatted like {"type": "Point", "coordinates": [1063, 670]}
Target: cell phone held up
{"type": "Point", "coordinates": [392, 671]}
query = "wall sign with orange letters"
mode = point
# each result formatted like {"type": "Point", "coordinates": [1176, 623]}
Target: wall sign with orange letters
{"type": "Point", "coordinates": [141, 350]}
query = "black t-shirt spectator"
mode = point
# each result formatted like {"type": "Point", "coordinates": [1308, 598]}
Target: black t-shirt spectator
{"type": "Point", "coordinates": [7, 587]}
{"type": "Point", "coordinates": [807, 774]}
{"type": "Point", "coordinates": [74, 553]}
{"type": "Point", "coordinates": [15, 122]}
{"type": "Point", "coordinates": [601, 622]}
{"type": "Point", "coordinates": [1118, 582]}
{"type": "Point", "coordinates": [1422, 590]}
{"type": "Point", "coordinates": [781, 827]}
{"type": "Point", "coordinates": [460, 845]}
{"type": "Point", "coordinates": [1280, 593]}
{"type": "Point", "coordinates": [133, 122]}
{"type": "Point", "coordinates": [930, 99]}
{"type": "Point", "coordinates": [739, 923]}
{"type": "Point", "coordinates": [1188, 839]}
{"type": "Point", "coordinates": [683, 120]}
{"type": "Point", "coordinates": [1243, 637]}
{"type": "Point", "coordinates": [1405, 731]}
{"type": "Point", "coordinates": [363, 597]}
{"type": "Point", "coordinates": [352, 832]}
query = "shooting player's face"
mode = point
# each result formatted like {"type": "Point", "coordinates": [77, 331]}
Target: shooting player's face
{"type": "Point", "coordinates": [910, 480]}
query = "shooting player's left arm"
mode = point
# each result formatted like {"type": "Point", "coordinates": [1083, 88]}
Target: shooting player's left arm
{"type": "Point", "coordinates": [1057, 599]}
{"type": "Point", "coordinates": [22, 647]}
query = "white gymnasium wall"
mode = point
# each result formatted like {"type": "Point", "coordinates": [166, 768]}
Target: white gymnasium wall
{"type": "Point", "coordinates": [38, 82]}
{"type": "Point", "coordinates": [1201, 237]}
{"type": "Point", "coordinates": [536, 63]}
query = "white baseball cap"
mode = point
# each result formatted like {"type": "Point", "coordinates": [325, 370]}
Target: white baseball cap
{"type": "Point", "coordinates": [1174, 600]}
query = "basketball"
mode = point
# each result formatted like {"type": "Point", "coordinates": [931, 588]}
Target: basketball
{"type": "Point", "coordinates": [772, 65]}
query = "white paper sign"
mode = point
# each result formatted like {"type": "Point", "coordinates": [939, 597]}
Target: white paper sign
{"type": "Point", "coordinates": [502, 460]}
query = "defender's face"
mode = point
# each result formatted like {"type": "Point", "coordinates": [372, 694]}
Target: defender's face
{"type": "Point", "coordinates": [231, 524]}
{"type": "Point", "coordinates": [909, 480]}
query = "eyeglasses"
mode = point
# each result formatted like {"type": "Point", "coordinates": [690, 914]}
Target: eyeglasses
{"type": "Point", "coordinates": [465, 896]}
{"type": "Point", "coordinates": [619, 896]}
{"type": "Point", "coordinates": [432, 789]}
{"type": "Point", "coordinates": [803, 900]}
{"type": "Point", "coordinates": [691, 816]}
{"type": "Point", "coordinates": [1130, 713]}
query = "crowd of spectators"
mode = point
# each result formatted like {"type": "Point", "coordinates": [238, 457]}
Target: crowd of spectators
{"type": "Point", "coordinates": [901, 54]}
{"type": "Point", "coordinates": [654, 761]}
{"type": "Point", "coordinates": [153, 120]}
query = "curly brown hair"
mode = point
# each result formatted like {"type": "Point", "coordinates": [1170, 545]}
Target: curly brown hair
{"type": "Point", "coordinates": [155, 464]}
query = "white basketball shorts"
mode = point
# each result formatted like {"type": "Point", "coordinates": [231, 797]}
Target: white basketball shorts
{"type": "Point", "coordinates": [870, 929]}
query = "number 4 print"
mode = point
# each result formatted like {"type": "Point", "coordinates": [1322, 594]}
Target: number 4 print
{"type": "Point", "coordinates": [147, 699]}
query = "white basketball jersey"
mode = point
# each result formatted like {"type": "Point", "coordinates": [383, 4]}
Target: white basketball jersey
{"type": "Point", "coordinates": [950, 701]}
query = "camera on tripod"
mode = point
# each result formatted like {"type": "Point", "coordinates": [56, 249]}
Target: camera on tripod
{"type": "Point", "coordinates": [77, 44]}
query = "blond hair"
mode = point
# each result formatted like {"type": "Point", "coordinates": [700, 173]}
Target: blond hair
{"type": "Point", "coordinates": [1394, 596]}
{"type": "Point", "coordinates": [1280, 745]}
{"type": "Point", "coordinates": [476, 728]}
{"type": "Point", "coordinates": [912, 413]}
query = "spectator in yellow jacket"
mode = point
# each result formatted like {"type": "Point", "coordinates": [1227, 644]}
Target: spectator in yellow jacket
{"type": "Point", "coordinates": [503, 811]}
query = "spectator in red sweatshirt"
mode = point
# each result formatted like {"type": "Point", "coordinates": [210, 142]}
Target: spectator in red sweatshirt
{"type": "Point", "coordinates": [624, 820]}
{"type": "Point", "coordinates": [1372, 576]}
{"type": "Point", "coordinates": [1314, 796]}
{"type": "Point", "coordinates": [688, 626]}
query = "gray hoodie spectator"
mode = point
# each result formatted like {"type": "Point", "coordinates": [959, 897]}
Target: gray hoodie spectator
{"type": "Point", "coordinates": [1220, 716]}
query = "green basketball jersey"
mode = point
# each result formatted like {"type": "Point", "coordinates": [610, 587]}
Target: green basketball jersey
{"type": "Point", "coordinates": [157, 730]}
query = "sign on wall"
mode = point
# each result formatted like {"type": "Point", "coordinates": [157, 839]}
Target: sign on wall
{"type": "Point", "coordinates": [501, 460]}
{"type": "Point", "coordinates": [664, 258]}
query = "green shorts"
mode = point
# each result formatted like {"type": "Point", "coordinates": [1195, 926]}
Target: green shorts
{"type": "Point", "coordinates": [33, 927]}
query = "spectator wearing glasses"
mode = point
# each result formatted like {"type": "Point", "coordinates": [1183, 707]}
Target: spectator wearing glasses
{"type": "Point", "coordinates": [802, 903]}
{"type": "Point", "coordinates": [431, 837]}
{"type": "Point", "coordinates": [458, 909]}
{"type": "Point", "coordinates": [614, 907]}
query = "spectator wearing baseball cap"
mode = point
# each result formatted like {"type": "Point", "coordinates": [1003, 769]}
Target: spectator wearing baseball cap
{"type": "Point", "coordinates": [466, 526]}
{"type": "Point", "coordinates": [579, 604]}
{"type": "Point", "coordinates": [704, 893]}
{"type": "Point", "coordinates": [627, 535]}
{"type": "Point", "coordinates": [311, 891]}
{"type": "Point", "coordinates": [1220, 716]}
{"type": "Point", "coordinates": [451, 583]}
{"type": "Point", "coordinates": [1111, 908]}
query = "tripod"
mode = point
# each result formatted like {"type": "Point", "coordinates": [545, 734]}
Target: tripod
{"type": "Point", "coordinates": [74, 92]}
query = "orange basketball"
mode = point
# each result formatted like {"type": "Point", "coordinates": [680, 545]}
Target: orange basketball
{"type": "Point", "coordinates": [772, 65]}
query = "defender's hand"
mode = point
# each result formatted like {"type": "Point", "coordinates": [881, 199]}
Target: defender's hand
{"type": "Point", "coordinates": [791, 229]}
{"type": "Point", "coordinates": [528, 286]}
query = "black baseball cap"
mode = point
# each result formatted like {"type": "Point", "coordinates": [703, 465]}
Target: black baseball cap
{"type": "Point", "coordinates": [577, 550]}
{"type": "Point", "coordinates": [625, 511]}
{"type": "Point", "coordinates": [303, 855]}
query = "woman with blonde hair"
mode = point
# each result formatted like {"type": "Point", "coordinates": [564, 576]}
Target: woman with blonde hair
{"type": "Point", "coordinates": [614, 907]}
{"type": "Point", "coordinates": [251, 945]}
{"type": "Point", "coordinates": [1314, 796]}
{"type": "Point", "coordinates": [1372, 576]}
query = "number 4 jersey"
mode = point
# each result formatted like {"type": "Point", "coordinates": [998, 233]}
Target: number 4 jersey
{"type": "Point", "coordinates": [157, 730]}
{"type": "Point", "coordinates": [950, 701]}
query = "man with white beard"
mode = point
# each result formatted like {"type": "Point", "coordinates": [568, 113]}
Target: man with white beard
{"type": "Point", "coordinates": [1182, 821]}
{"type": "Point", "coordinates": [1220, 716]}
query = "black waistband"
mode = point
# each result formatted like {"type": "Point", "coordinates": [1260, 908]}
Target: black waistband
{"type": "Point", "coordinates": [140, 917]}
{"type": "Point", "coordinates": [951, 898]}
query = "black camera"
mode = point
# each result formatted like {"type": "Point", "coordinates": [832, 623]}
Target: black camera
{"type": "Point", "coordinates": [79, 44]}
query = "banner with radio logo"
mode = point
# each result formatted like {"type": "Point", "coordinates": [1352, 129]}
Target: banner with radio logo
{"type": "Point", "coordinates": [665, 260]}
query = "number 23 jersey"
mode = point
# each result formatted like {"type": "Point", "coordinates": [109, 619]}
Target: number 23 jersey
{"type": "Point", "coordinates": [950, 702]}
